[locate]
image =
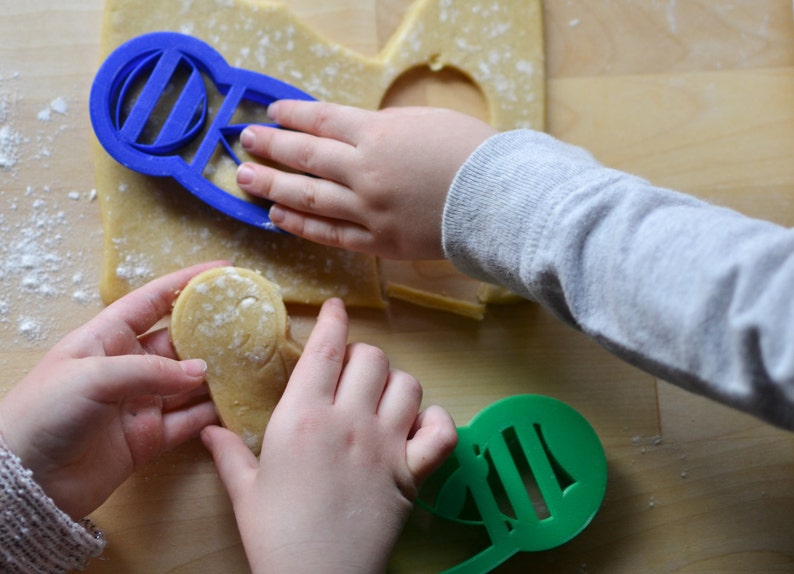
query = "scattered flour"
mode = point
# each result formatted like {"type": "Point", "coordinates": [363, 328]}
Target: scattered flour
{"type": "Point", "coordinates": [35, 269]}
{"type": "Point", "coordinates": [40, 275]}
{"type": "Point", "coordinates": [58, 105]}
{"type": "Point", "coordinates": [136, 267]}
{"type": "Point", "coordinates": [10, 138]}
{"type": "Point", "coordinates": [9, 147]}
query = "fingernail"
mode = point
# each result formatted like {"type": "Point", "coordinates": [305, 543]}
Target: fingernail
{"type": "Point", "coordinates": [247, 138]}
{"type": "Point", "coordinates": [276, 214]}
{"type": "Point", "coordinates": [194, 367]}
{"type": "Point", "coordinates": [272, 110]}
{"type": "Point", "coordinates": [245, 175]}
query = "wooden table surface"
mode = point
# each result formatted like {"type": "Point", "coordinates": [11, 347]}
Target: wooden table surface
{"type": "Point", "coordinates": [693, 94]}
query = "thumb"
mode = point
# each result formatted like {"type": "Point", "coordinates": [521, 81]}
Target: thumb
{"type": "Point", "coordinates": [433, 439]}
{"type": "Point", "coordinates": [236, 464]}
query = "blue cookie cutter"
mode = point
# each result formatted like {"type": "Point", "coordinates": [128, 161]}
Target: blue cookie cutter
{"type": "Point", "coordinates": [150, 110]}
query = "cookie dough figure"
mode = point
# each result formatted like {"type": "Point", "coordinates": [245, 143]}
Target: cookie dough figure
{"type": "Point", "coordinates": [235, 320]}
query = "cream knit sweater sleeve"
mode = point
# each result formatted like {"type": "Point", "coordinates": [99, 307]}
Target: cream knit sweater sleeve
{"type": "Point", "coordinates": [36, 537]}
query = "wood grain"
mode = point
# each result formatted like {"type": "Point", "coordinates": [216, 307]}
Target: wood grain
{"type": "Point", "coordinates": [693, 94]}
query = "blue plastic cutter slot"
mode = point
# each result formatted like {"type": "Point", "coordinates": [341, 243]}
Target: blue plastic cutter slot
{"type": "Point", "coordinates": [150, 110]}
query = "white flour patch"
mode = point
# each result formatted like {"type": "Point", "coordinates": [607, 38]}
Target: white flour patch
{"type": "Point", "coordinates": [35, 269]}
{"type": "Point", "coordinates": [43, 275]}
{"type": "Point", "coordinates": [9, 147]}
{"type": "Point", "coordinates": [10, 138]}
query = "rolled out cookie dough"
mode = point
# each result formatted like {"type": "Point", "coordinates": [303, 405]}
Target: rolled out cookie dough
{"type": "Point", "coordinates": [235, 320]}
{"type": "Point", "coordinates": [153, 226]}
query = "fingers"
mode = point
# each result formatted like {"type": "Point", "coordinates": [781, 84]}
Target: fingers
{"type": "Point", "coordinates": [111, 379]}
{"type": "Point", "coordinates": [307, 153]}
{"type": "Point", "coordinates": [185, 424]}
{"type": "Point", "coordinates": [158, 342]}
{"type": "Point", "coordinates": [299, 192]}
{"type": "Point", "coordinates": [433, 440]}
{"type": "Point", "coordinates": [192, 396]}
{"type": "Point", "coordinates": [317, 372]}
{"type": "Point", "coordinates": [142, 308]}
{"type": "Point", "coordinates": [323, 119]}
{"type": "Point", "coordinates": [322, 144]}
{"type": "Point", "coordinates": [363, 379]}
{"type": "Point", "coordinates": [326, 231]}
{"type": "Point", "coordinates": [234, 460]}
{"type": "Point", "coordinates": [401, 400]}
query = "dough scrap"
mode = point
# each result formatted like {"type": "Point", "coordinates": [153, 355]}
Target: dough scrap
{"type": "Point", "coordinates": [235, 320]}
{"type": "Point", "coordinates": [435, 284]}
{"type": "Point", "coordinates": [153, 226]}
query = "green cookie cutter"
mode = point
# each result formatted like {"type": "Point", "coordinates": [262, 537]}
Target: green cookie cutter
{"type": "Point", "coordinates": [530, 469]}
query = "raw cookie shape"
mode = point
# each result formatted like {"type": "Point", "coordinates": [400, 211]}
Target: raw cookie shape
{"type": "Point", "coordinates": [153, 226]}
{"type": "Point", "coordinates": [235, 320]}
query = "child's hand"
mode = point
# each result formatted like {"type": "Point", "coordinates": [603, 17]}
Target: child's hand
{"type": "Point", "coordinates": [342, 458]}
{"type": "Point", "coordinates": [381, 177]}
{"type": "Point", "coordinates": [106, 399]}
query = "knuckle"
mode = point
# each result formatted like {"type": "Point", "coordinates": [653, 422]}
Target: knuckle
{"type": "Point", "coordinates": [329, 352]}
{"type": "Point", "coordinates": [266, 183]}
{"type": "Point", "coordinates": [294, 224]}
{"type": "Point", "coordinates": [321, 118]}
{"type": "Point", "coordinates": [263, 145]}
{"type": "Point", "coordinates": [409, 385]}
{"type": "Point", "coordinates": [330, 235]}
{"type": "Point", "coordinates": [375, 356]}
{"type": "Point", "coordinates": [304, 155]}
{"type": "Point", "coordinates": [157, 365]}
{"type": "Point", "coordinates": [309, 194]}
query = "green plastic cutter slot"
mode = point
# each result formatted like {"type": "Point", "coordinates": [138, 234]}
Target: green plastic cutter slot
{"type": "Point", "coordinates": [529, 469]}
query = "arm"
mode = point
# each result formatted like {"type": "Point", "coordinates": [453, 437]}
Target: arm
{"type": "Point", "coordinates": [695, 294]}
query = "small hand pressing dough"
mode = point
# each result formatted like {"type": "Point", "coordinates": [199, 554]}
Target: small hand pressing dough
{"type": "Point", "coordinates": [152, 226]}
{"type": "Point", "coordinates": [235, 320]}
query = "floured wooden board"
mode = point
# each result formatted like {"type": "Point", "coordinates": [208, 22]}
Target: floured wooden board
{"type": "Point", "coordinates": [152, 226]}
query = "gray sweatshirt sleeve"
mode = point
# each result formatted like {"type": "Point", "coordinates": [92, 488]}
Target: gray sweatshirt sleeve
{"type": "Point", "coordinates": [698, 295]}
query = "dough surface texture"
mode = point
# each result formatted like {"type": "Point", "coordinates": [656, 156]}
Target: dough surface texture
{"type": "Point", "coordinates": [235, 320]}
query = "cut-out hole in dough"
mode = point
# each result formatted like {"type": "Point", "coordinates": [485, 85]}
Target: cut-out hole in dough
{"type": "Point", "coordinates": [447, 88]}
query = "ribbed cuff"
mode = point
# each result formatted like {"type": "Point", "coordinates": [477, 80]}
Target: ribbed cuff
{"type": "Point", "coordinates": [35, 535]}
{"type": "Point", "coordinates": [500, 200]}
